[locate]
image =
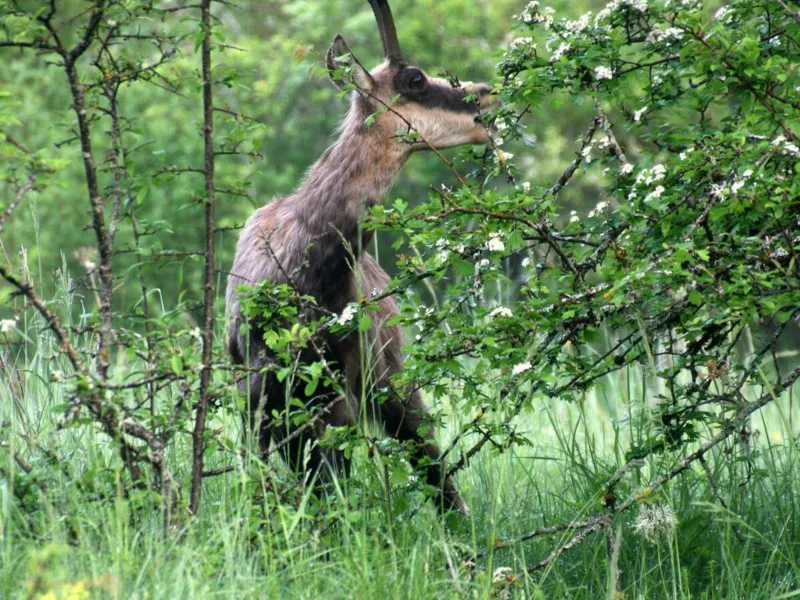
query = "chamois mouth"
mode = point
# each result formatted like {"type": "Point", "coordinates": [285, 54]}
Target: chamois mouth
{"type": "Point", "coordinates": [484, 117]}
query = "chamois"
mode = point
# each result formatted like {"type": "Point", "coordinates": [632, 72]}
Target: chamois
{"type": "Point", "coordinates": [312, 240]}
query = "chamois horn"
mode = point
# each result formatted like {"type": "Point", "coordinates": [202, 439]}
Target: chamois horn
{"type": "Point", "coordinates": [383, 15]}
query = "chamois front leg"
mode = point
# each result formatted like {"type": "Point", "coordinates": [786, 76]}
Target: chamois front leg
{"type": "Point", "coordinates": [299, 448]}
{"type": "Point", "coordinates": [403, 418]}
{"type": "Point", "coordinates": [404, 415]}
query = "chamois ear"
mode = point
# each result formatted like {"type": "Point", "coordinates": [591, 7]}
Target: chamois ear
{"type": "Point", "coordinates": [339, 55]}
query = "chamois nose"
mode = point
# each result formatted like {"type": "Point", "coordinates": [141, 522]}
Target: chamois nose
{"type": "Point", "coordinates": [486, 101]}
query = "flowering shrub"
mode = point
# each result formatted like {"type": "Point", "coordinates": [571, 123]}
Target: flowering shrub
{"type": "Point", "coordinates": [690, 251]}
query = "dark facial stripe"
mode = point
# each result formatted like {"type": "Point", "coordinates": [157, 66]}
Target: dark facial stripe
{"type": "Point", "coordinates": [433, 95]}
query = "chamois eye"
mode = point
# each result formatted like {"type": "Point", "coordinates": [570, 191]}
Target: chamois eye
{"type": "Point", "coordinates": [417, 82]}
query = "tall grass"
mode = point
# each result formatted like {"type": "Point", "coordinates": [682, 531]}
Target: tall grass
{"type": "Point", "coordinates": [68, 531]}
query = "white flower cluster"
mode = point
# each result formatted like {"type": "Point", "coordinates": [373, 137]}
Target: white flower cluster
{"type": "Point", "coordinates": [573, 216]}
{"type": "Point", "coordinates": [626, 168]}
{"type": "Point", "coordinates": [495, 244]}
{"type": "Point", "coordinates": [522, 43]}
{"type": "Point", "coordinates": [649, 176]}
{"type": "Point", "coordinates": [655, 194]}
{"type": "Point", "coordinates": [599, 209]}
{"type": "Point", "coordinates": [531, 14]}
{"type": "Point", "coordinates": [655, 523]}
{"type": "Point", "coordinates": [7, 325]}
{"type": "Point", "coordinates": [668, 35]}
{"type": "Point", "coordinates": [562, 49]}
{"type": "Point", "coordinates": [739, 183]}
{"type": "Point", "coordinates": [502, 575]}
{"type": "Point", "coordinates": [720, 191]}
{"type": "Point", "coordinates": [501, 157]}
{"type": "Point", "coordinates": [603, 72]}
{"type": "Point", "coordinates": [686, 153]}
{"type": "Point", "coordinates": [614, 5]}
{"type": "Point", "coordinates": [444, 251]}
{"type": "Point", "coordinates": [521, 367]}
{"type": "Point", "coordinates": [578, 26]}
{"type": "Point", "coordinates": [785, 146]}
{"type": "Point", "coordinates": [347, 314]}
{"type": "Point", "coordinates": [724, 14]}
{"type": "Point", "coordinates": [637, 115]}
{"type": "Point", "coordinates": [501, 311]}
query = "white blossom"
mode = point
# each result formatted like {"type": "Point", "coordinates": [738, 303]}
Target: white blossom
{"type": "Point", "coordinates": [575, 27]}
{"type": "Point", "coordinates": [747, 174]}
{"type": "Point", "coordinates": [522, 43]}
{"type": "Point", "coordinates": [791, 148]}
{"type": "Point", "coordinates": [655, 523]}
{"type": "Point", "coordinates": [495, 244]}
{"type": "Point", "coordinates": [598, 210]}
{"type": "Point", "coordinates": [7, 325]}
{"type": "Point", "coordinates": [484, 262]}
{"type": "Point", "coordinates": [502, 157]}
{"type": "Point", "coordinates": [626, 168]}
{"type": "Point", "coordinates": [724, 14]}
{"type": "Point", "coordinates": [720, 192]}
{"type": "Point", "coordinates": [637, 116]}
{"type": "Point", "coordinates": [736, 186]}
{"type": "Point", "coordinates": [603, 72]}
{"type": "Point", "coordinates": [526, 186]}
{"type": "Point", "coordinates": [526, 262]}
{"type": "Point", "coordinates": [602, 15]}
{"type": "Point", "coordinates": [560, 51]}
{"type": "Point", "coordinates": [648, 176]}
{"type": "Point", "coordinates": [347, 314]}
{"type": "Point", "coordinates": [521, 367]}
{"type": "Point", "coordinates": [655, 194]}
{"type": "Point", "coordinates": [686, 152]}
{"type": "Point", "coordinates": [667, 35]}
{"type": "Point", "coordinates": [501, 311]}
{"type": "Point", "coordinates": [501, 574]}
{"type": "Point", "coordinates": [531, 14]}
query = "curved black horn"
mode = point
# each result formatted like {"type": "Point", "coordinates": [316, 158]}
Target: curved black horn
{"type": "Point", "coordinates": [383, 15]}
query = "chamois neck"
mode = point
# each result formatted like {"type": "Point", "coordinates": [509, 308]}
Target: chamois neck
{"type": "Point", "coordinates": [357, 171]}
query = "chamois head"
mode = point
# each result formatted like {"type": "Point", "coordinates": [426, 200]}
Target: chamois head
{"type": "Point", "coordinates": [406, 98]}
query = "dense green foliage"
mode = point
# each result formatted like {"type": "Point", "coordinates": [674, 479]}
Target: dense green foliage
{"type": "Point", "coordinates": [604, 325]}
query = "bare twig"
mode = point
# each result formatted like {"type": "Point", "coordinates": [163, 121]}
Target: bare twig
{"type": "Point", "coordinates": [198, 445]}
